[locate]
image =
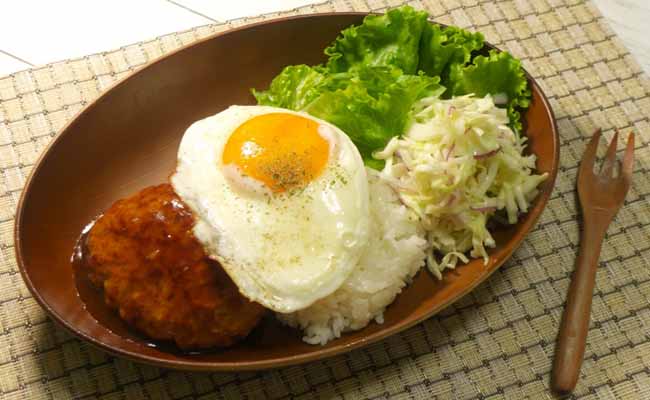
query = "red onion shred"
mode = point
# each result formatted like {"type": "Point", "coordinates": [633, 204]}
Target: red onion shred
{"type": "Point", "coordinates": [484, 209]}
{"type": "Point", "coordinates": [487, 155]}
{"type": "Point", "coordinates": [451, 149]}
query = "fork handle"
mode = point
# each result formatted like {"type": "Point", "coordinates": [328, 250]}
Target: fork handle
{"type": "Point", "coordinates": [572, 337]}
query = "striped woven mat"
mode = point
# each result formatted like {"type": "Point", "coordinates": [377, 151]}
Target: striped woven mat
{"type": "Point", "coordinates": [497, 342]}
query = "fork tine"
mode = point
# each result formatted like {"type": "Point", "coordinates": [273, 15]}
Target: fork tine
{"type": "Point", "coordinates": [587, 163]}
{"type": "Point", "coordinates": [610, 158]}
{"type": "Point", "coordinates": [628, 158]}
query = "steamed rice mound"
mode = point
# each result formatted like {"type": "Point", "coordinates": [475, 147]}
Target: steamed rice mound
{"type": "Point", "coordinates": [396, 251]}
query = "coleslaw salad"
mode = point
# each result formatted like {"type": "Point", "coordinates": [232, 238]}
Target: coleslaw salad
{"type": "Point", "coordinates": [458, 165]}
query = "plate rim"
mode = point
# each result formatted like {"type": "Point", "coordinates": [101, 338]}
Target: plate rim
{"type": "Point", "coordinates": [232, 366]}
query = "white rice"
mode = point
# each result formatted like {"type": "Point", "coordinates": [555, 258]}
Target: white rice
{"type": "Point", "coordinates": [395, 253]}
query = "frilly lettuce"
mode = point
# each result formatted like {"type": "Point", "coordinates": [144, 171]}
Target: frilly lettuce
{"type": "Point", "coordinates": [294, 88]}
{"type": "Point", "coordinates": [370, 104]}
{"type": "Point", "coordinates": [499, 74]}
{"type": "Point", "coordinates": [444, 47]}
{"type": "Point", "coordinates": [377, 70]}
{"type": "Point", "coordinates": [392, 39]}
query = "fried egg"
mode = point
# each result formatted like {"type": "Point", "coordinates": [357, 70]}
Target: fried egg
{"type": "Point", "coordinates": [280, 200]}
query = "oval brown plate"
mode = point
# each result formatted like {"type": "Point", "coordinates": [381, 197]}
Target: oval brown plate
{"type": "Point", "coordinates": [127, 140]}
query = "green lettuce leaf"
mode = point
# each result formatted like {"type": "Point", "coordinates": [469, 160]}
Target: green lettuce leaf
{"type": "Point", "coordinates": [377, 70]}
{"type": "Point", "coordinates": [370, 104]}
{"type": "Point", "coordinates": [374, 106]}
{"type": "Point", "coordinates": [442, 47]}
{"type": "Point", "coordinates": [392, 39]}
{"type": "Point", "coordinates": [498, 74]}
{"type": "Point", "coordinates": [294, 88]}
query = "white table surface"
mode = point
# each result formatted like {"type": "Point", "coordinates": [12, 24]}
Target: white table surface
{"type": "Point", "coordinates": [70, 28]}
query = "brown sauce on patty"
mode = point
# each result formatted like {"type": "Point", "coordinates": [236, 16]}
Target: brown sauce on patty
{"type": "Point", "coordinates": [156, 275]}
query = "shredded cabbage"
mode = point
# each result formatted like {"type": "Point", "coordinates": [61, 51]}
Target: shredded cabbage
{"type": "Point", "coordinates": [457, 166]}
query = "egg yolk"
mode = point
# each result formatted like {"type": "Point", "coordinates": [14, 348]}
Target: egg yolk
{"type": "Point", "coordinates": [280, 150]}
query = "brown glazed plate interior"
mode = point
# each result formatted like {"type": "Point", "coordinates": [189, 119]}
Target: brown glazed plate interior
{"type": "Point", "coordinates": [127, 140]}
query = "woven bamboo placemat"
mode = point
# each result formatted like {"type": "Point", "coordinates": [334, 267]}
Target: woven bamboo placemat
{"type": "Point", "coordinates": [497, 342]}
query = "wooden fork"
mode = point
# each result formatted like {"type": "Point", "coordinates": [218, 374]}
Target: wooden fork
{"type": "Point", "coordinates": [601, 196]}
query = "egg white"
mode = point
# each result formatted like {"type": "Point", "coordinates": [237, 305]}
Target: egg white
{"type": "Point", "coordinates": [283, 250]}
